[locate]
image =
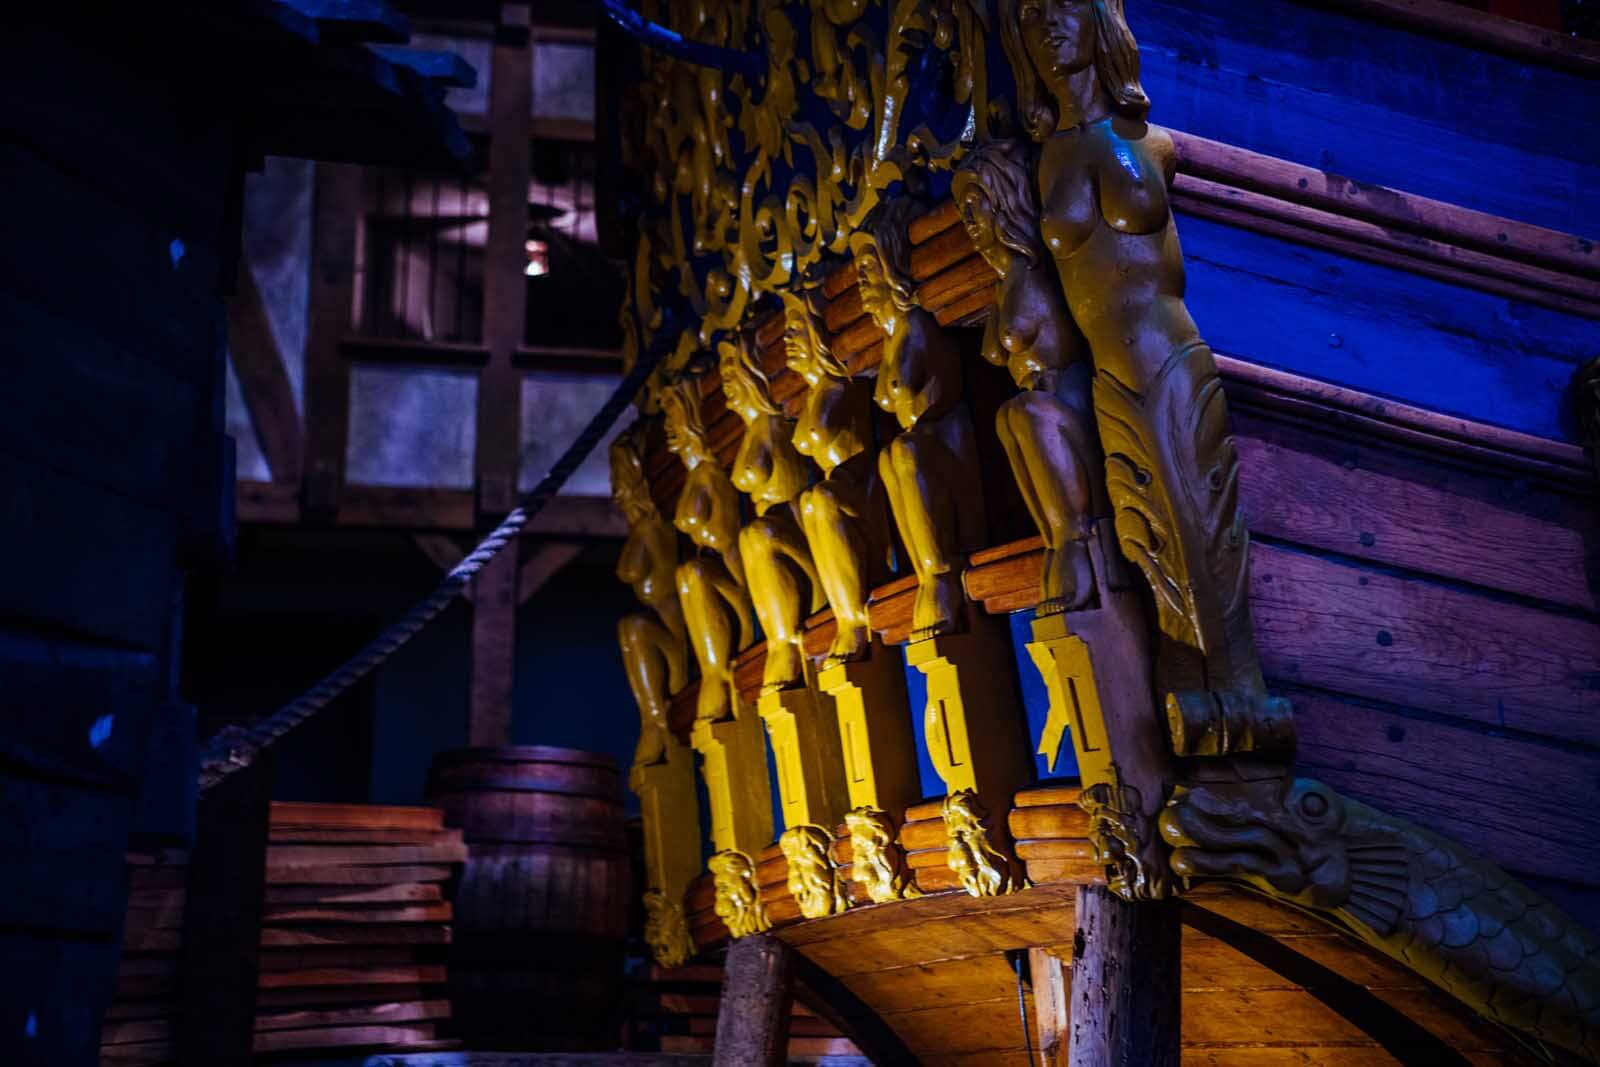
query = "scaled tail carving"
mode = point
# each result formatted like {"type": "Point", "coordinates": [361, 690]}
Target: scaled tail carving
{"type": "Point", "coordinates": [1453, 917]}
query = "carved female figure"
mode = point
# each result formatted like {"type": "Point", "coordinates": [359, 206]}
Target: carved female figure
{"type": "Point", "coordinates": [1171, 467]}
{"type": "Point", "coordinates": [843, 515]}
{"type": "Point", "coordinates": [1048, 429]}
{"type": "Point", "coordinates": [710, 587]}
{"type": "Point", "coordinates": [782, 580]}
{"type": "Point", "coordinates": [931, 469]}
{"type": "Point", "coordinates": [654, 652]}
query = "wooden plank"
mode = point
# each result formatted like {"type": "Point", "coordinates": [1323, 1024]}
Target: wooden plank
{"type": "Point", "coordinates": [332, 894]}
{"type": "Point", "coordinates": [1366, 500]}
{"type": "Point", "coordinates": [1483, 30]}
{"type": "Point", "coordinates": [355, 816]}
{"type": "Point", "coordinates": [263, 379]}
{"type": "Point", "coordinates": [342, 1037]}
{"type": "Point", "coordinates": [381, 1014]}
{"type": "Point", "coordinates": [1052, 990]}
{"type": "Point", "coordinates": [541, 565]}
{"type": "Point", "coordinates": [340, 935]}
{"type": "Point", "coordinates": [290, 914]}
{"type": "Point", "coordinates": [368, 875]}
{"type": "Point", "coordinates": [1469, 785]}
{"type": "Point", "coordinates": [285, 835]}
{"type": "Point", "coordinates": [365, 855]}
{"type": "Point", "coordinates": [419, 974]}
{"type": "Point", "coordinates": [1379, 636]}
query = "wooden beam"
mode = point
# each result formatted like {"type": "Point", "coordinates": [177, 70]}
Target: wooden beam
{"type": "Point", "coordinates": [1052, 989]}
{"type": "Point", "coordinates": [442, 549]}
{"type": "Point", "coordinates": [1441, 18]}
{"type": "Point", "coordinates": [499, 429]}
{"type": "Point", "coordinates": [543, 564]}
{"type": "Point", "coordinates": [263, 380]}
{"type": "Point", "coordinates": [335, 212]}
{"type": "Point", "coordinates": [757, 988]}
{"type": "Point", "coordinates": [494, 640]}
{"type": "Point", "coordinates": [219, 959]}
{"type": "Point", "coordinates": [1126, 971]}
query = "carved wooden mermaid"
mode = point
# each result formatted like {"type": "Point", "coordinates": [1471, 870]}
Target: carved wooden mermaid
{"type": "Point", "coordinates": [843, 515]}
{"type": "Point", "coordinates": [931, 469]}
{"type": "Point", "coordinates": [1172, 470]}
{"type": "Point", "coordinates": [777, 561]}
{"type": "Point", "coordinates": [711, 587]}
{"type": "Point", "coordinates": [1048, 429]}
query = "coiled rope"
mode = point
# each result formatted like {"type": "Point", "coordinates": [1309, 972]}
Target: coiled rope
{"type": "Point", "coordinates": [234, 749]}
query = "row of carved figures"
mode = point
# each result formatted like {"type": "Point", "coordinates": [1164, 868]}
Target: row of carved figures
{"type": "Point", "coordinates": [1119, 444]}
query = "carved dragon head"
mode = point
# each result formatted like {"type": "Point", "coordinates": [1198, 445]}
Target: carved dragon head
{"type": "Point", "coordinates": [1293, 837]}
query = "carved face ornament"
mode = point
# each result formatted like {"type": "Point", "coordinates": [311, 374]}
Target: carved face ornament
{"type": "Point", "coordinates": [1060, 38]}
{"type": "Point", "coordinates": [873, 286]}
{"type": "Point", "coordinates": [977, 218]}
{"type": "Point", "coordinates": [799, 346]}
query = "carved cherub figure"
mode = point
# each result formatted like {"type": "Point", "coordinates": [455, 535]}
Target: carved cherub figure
{"type": "Point", "coordinates": [1048, 429]}
{"type": "Point", "coordinates": [931, 469]}
{"type": "Point", "coordinates": [777, 561]}
{"type": "Point", "coordinates": [711, 588]}
{"type": "Point", "coordinates": [843, 515]}
{"type": "Point", "coordinates": [654, 652]}
{"type": "Point", "coordinates": [1171, 467]}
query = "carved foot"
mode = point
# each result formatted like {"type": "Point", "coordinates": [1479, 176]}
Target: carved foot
{"type": "Point", "coordinates": [937, 608]}
{"type": "Point", "coordinates": [849, 643]}
{"type": "Point", "coordinates": [1067, 581]}
{"type": "Point", "coordinates": [784, 667]}
{"type": "Point", "coordinates": [713, 703]}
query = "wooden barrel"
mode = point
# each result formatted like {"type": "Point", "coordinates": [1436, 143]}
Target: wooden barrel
{"type": "Point", "coordinates": [541, 909]}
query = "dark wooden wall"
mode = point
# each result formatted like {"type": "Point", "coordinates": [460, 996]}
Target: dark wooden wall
{"type": "Point", "coordinates": [114, 479]}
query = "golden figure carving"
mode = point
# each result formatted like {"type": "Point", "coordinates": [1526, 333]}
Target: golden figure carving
{"type": "Point", "coordinates": [844, 515]}
{"type": "Point", "coordinates": [738, 897]}
{"type": "Point", "coordinates": [1172, 470]}
{"type": "Point", "coordinates": [1048, 429]}
{"type": "Point", "coordinates": [813, 880]}
{"type": "Point", "coordinates": [983, 871]}
{"type": "Point", "coordinates": [876, 860]}
{"type": "Point", "coordinates": [1456, 919]}
{"type": "Point", "coordinates": [655, 658]}
{"type": "Point", "coordinates": [931, 469]}
{"type": "Point", "coordinates": [710, 587]}
{"type": "Point", "coordinates": [777, 561]}
{"type": "Point", "coordinates": [666, 930]}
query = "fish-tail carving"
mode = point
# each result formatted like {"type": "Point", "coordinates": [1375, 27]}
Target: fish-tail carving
{"type": "Point", "coordinates": [1456, 919]}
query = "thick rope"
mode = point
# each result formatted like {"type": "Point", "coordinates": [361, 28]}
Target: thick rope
{"type": "Point", "coordinates": [233, 749]}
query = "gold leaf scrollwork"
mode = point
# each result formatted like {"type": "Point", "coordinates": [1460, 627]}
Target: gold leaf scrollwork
{"type": "Point", "coordinates": [738, 897]}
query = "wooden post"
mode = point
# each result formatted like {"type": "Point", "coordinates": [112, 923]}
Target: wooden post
{"type": "Point", "coordinates": [336, 207]}
{"type": "Point", "coordinates": [505, 293]}
{"type": "Point", "coordinates": [220, 960]}
{"type": "Point", "coordinates": [494, 651]}
{"type": "Point", "coordinates": [1052, 1018]}
{"type": "Point", "coordinates": [1125, 982]}
{"type": "Point", "coordinates": [753, 1021]}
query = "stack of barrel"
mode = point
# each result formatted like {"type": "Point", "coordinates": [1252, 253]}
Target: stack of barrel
{"type": "Point", "coordinates": [138, 1026]}
{"type": "Point", "coordinates": [542, 904]}
{"type": "Point", "coordinates": [354, 929]}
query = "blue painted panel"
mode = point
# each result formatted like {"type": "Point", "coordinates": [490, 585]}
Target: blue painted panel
{"type": "Point", "coordinates": [916, 701]}
{"type": "Point", "coordinates": [1383, 330]}
{"type": "Point", "coordinates": [1036, 702]}
{"type": "Point", "coordinates": [772, 784]}
{"type": "Point", "coordinates": [1379, 104]}
{"type": "Point", "coordinates": [703, 800]}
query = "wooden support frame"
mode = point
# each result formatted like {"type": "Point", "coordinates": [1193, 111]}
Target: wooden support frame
{"type": "Point", "coordinates": [1126, 982]}
{"type": "Point", "coordinates": [263, 379]}
{"type": "Point", "coordinates": [499, 426]}
{"type": "Point", "coordinates": [494, 651]}
{"type": "Point", "coordinates": [332, 293]}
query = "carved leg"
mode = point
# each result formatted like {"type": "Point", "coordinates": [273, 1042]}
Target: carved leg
{"type": "Point", "coordinates": [833, 521]}
{"type": "Point", "coordinates": [654, 663]}
{"type": "Point", "coordinates": [715, 622]}
{"type": "Point", "coordinates": [1053, 454]}
{"type": "Point", "coordinates": [923, 477]}
{"type": "Point", "coordinates": [784, 588]}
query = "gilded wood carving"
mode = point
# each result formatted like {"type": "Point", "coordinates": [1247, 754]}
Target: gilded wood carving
{"type": "Point", "coordinates": [931, 469]}
{"type": "Point", "coordinates": [1451, 916]}
{"type": "Point", "coordinates": [655, 658]}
